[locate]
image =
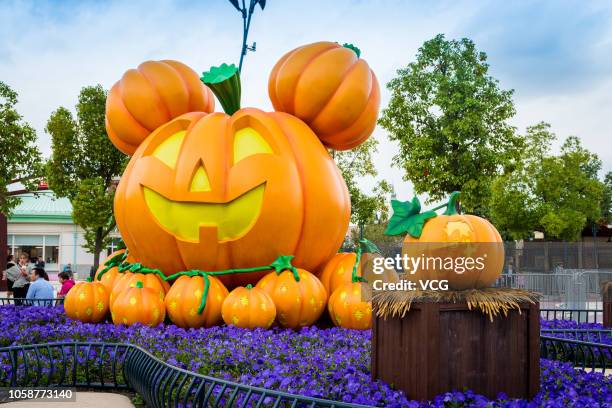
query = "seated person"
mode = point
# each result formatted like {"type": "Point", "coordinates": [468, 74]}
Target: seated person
{"type": "Point", "coordinates": [67, 283]}
{"type": "Point", "coordinates": [40, 288]}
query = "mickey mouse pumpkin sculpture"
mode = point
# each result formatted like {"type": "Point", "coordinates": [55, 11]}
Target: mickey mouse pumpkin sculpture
{"type": "Point", "coordinates": [212, 191]}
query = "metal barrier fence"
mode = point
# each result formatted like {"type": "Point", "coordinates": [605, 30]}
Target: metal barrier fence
{"type": "Point", "coordinates": [126, 366]}
{"type": "Point", "coordinates": [583, 348]}
{"type": "Point", "coordinates": [578, 315]}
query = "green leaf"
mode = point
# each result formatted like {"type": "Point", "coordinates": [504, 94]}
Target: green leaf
{"type": "Point", "coordinates": [402, 211]}
{"type": "Point", "coordinates": [416, 222]}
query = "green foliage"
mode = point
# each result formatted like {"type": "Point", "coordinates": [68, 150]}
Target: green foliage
{"type": "Point", "coordinates": [450, 119]}
{"type": "Point", "coordinates": [606, 201]}
{"type": "Point", "coordinates": [357, 163]}
{"type": "Point", "coordinates": [21, 160]}
{"type": "Point", "coordinates": [83, 165]}
{"type": "Point", "coordinates": [556, 194]}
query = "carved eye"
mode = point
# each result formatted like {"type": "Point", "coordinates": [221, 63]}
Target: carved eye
{"type": "Point", "coordinates": [199, 181]}
{"type": "Point", "coordinates": [247, 142]}
{"type": "Point", "coordinates": [168, 150]}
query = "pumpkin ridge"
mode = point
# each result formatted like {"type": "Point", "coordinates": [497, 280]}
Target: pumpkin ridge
{"type": "Point", "coordinates": [304, 68]}
{"type": "Point", "coordinates": [184, 83]}
{"type": "Point", "coordinates": [338, 89]}
{"type": "Point", "coordinates": [158, 93]}
{"type": "Point", "coordinates": [356, 140]}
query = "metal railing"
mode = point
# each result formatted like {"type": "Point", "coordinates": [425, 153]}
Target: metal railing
{"type": "Point", "coordinates": [127, 366]}
{"type": "Point", "coordinates": [31, 302]}
{"type": "Point", "coordinates": [578, 315]}
{"type": "Point", "coordinates": [583, 354]}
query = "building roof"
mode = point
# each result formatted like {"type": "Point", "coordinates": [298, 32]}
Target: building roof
{"type": "Point", "coordinates": [42, 207]}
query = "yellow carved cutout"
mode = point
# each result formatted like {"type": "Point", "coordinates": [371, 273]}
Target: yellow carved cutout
{"type": "Point", "coordinates": [184, 219]}
{"type": "Point", "coordinates": [200, 181]}
{"type": "Point", "coordinates": [168, 150]}
{"type": "Point", "coordinates": [247, 142]}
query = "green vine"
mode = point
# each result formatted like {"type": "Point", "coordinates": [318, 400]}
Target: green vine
{"type": "Point", "coordinates": [280, 264]}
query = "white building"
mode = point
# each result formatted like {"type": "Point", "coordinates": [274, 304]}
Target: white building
{"type": "Point", "coordinates": [42, 225]}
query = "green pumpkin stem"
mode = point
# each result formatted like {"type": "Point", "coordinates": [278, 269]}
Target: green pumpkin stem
{"type": "Point", "coordinates": [139, 285]}
{"type": "Point", "coordinates": [224, 82]}
{"type": "Point", "coordinates": [89, 279]}
{"type": "Point", "coordinates": [452, 207]}
{"type": "Point", "coordinates": [354, 48]}
{"type": "Point", "coordinates": [249, 286]}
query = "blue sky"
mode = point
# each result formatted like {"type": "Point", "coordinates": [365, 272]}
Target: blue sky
{"type": "Point", "coordinates": [556, 55]}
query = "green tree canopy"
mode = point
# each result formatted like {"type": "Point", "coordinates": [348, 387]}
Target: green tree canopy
{"type": "Point", "coordinates": [21, 161]}
{"type": "Point", "coordinates": [450, 119]}
{"type": "Point", "coordinates": [606, 201]}
{"type": "Point", "coordinates": [357, 163]}
{"type": "Point", "coordinates": [558, 195]}
{"type": "Point", "coordinates": [83, 165]}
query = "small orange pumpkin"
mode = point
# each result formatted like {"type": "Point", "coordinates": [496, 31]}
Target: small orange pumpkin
{"type": "Point", "coordinates": [298, 303]}
{"type": "Point", "coordinates": [111, 275]}
{"type": "Point", "coordinates": [138, 304]}
{"type": "Point", "coordinates": [87, 302]}
{"type": "Point", "coordinates": [339, 270]}
{"type": "Point", "coordinates": [329, 87]}
{"type": "Point", "coordinates": [129, 279]}
{"type": "Point", "coordinates": [184, 299]}
{"type": "Point", "coordinates": [149, 96]}
{"type": "Point", "coordinates": [248, 307]}
{"type": "Point", "coordinates": [348, 309]}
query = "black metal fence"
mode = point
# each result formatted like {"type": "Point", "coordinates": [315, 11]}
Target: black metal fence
{"type": "Point", "coordinates": [584, 348]}
{"type": "Point", "coordinates": [126, 366]}
{"type": "Point", "coordinates": [30, 302]}
{"type": "Point", "coordinates": [578, 315]}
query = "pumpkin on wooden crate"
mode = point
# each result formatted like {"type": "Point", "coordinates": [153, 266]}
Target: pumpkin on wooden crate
{"type": "Point", "coordinates": [299, 297]}
{"type": "Point", "coordinates": [329, 87]}
{"type": "Point", "coordinates": [452, 237]}
{"type": "Point", "coordinates": [87, 302]}
{"type": "Point", "coordinates": [184, 300]}
{"type": "Point", "coordinates": [248, 307]}
{"type": "Point", "coordinates": [138, 304]}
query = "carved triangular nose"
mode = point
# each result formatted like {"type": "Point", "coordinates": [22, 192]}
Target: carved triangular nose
{"type": "Point", "coordinates": [199, 181]}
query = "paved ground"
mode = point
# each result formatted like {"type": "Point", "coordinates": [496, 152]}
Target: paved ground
{"type": "Point", "coordinates": [83, 400]}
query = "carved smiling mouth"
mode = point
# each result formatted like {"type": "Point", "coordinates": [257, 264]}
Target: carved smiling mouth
{"type": "Point", "coordinates": [184, 219]}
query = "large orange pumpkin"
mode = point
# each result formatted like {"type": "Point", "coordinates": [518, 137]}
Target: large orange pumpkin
{"type": "Point", "coordinates": [330, 88]}
{"type": "Point", "coordinates": [446, 241]}
{"type": "Point", "coordinates": [298, 303]}
{"type": "Point", "coordinates": [128, 280]}
{"type": "Point", "coordinates": [87, 302]}
{"type": "Point", "coordinates": [138, 304]}
{"type": "Point", "coordinates": [220, 192]}
{"type": "Point", "coordinates": [348, 309]}
{"type": "Point", "coordinates": [111, 275]}
{"type": "Point", "coordinates": [184, 299]}
{"type": "Point", "coordinates": [249, 307]}
{"type": "Point", "coordinates": [150, 96]}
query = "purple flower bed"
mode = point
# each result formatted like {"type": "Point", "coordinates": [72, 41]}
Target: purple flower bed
{"type": "Point", "coordinates": [327, 363]}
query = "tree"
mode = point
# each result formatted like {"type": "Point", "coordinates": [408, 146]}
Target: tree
{"type": "Point", "coordinates": [357, 163]}
{"type": "Point", "coordinates": [21, 161]}
{"type": "Point", "coordinates": [450, 119]}
{"type": "Point", "coordinates": [83, 166]}
{"type": "Point", "coordinates": [559, 195]}
{"type": "Point", "coordinates": [514, 207]}
{"type": "Point", "coordinates": [606, 201]}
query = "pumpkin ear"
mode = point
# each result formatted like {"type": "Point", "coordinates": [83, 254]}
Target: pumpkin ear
{"type": "Point", "coordinates": [331, 88]}
{"type": "Point", "coordinates": [150, 96]}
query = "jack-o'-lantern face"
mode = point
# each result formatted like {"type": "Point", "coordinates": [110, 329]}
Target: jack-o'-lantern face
{"type": "Point", "coordinates": [211, 192]}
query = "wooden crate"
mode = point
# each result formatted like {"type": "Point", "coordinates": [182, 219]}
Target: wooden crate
{"type": "Point", "coordinates": [606, 295]}
{"type": "Point", "coordinates": [440, 347]}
